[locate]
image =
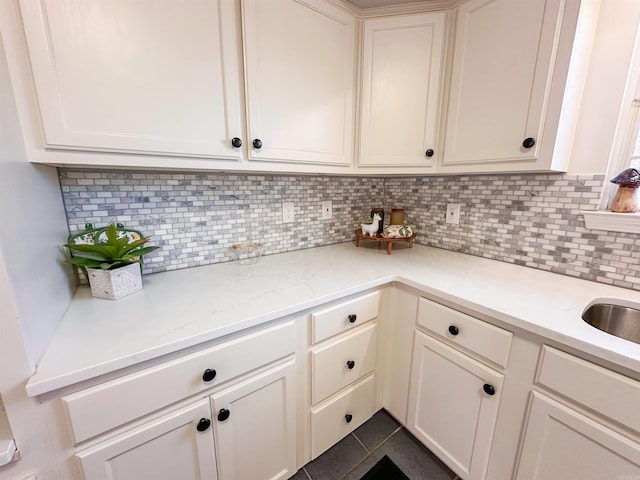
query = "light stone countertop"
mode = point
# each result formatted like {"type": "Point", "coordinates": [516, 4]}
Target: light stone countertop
{"type": "Point", "coordinates": [183, 308]}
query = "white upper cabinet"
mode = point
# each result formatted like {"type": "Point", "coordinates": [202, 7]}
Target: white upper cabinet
{"type": "Point", "coordinates": [509, 79]}
{"type": "Point", "coordinates": [270, 85]}
{"type": "Point", "coordinates": [148, 76]}
{"type": "Point", "coordinates": [401, 81]}
{"type": "Point", "coordinates": [300, 62]}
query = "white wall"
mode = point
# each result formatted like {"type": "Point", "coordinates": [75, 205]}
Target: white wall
{"type": "Point", "coordinates": [606, 80]}
{"type": "Point", "coordinates": [32, 227]}
{"type": "Point", "coordinates": [35, 286]}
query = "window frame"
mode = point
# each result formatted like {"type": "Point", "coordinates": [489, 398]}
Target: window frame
{"type": "Point", "coordinates": [627, 129]}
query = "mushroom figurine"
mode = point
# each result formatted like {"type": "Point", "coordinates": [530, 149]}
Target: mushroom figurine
{"type": "Point", "coordinates": [627, 199]}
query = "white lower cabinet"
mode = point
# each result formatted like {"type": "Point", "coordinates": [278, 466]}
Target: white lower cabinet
{"type": "Point", "coordinates": [562, 443]}
{"type": "Point", "coordinates": [253, 437]}
{"type": "Point", "coordinates": [255, 428]}
{"type": "Point", "coordinates": [488, 402]}
{"type": "Point", "coordinates": [342, 374]}
{"type": "Point", "coordinates": [177, 445]}
{"type": "Point", "coordinates": [453, 405]}
{"type": "Point", "coordinates": [225, 412]}
{"type": "Point", "coordinates": [589, 431]}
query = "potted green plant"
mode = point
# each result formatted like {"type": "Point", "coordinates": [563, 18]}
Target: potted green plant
{"type": "Point", "coordinates": [111, 258]}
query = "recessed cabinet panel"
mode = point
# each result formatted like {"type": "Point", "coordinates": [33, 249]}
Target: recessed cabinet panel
{"type": "Point", "coordinates": [341, 415]}
{"type": "Point", "coordinates": [584, 383]}
{"type": "Point", "coordinates": [255, 428]}
{"type": "Point", "coordinates": [111, 404]}
{"type": "Point", "coordinates": [453, 405]}
{"type": "Point", "coordinates": [148, 76]}
{"type": "Point", "coordinates": [344, 316]}
{"type": "Point", "coordinates": [300, 76]}
{"type": "Point", "coordinates": [338, 363]}
{"type": "Point", "coordinates": [402, 64]}
{"type": "Point", "coordinates": [504, 58]}
{"type": "Point", "coordinates": [167, 449]}
{"type": "Point", "coordinates": [562, 443]}
{"type": "Point", "coordinates": [490, 342]}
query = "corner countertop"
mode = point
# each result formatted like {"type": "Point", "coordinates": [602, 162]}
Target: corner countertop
{"type": "Point", "coordinates": [183, 308]}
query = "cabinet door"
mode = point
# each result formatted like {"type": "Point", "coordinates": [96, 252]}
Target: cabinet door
{"type": "Point", "coordinates": [453, 405]}
{"type": "Point", "coordinates": [255, 426]}
{"type": "Point", "coordinates": [502, 72]}
{"type": "Point", "coordinates": [300, 77]}
{"type": "Point", "coordinates": [402, 65]}
{"type": "Point", "coordinates": [562, 443]}
{"type": "Point", "coordinates": [169, 448]}
{"type": "Point", "coordinates": [149, 76]}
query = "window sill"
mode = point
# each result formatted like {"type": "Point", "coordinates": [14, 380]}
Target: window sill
{"type": "Point", "coordinates": [612, 222]}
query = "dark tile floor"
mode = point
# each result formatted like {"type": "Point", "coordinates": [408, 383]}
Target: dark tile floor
{"type": "Point", "coordinates": [355, 454]}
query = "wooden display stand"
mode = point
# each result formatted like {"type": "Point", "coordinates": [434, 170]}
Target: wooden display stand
{"type": "Point", "coordinates": [379, 238]}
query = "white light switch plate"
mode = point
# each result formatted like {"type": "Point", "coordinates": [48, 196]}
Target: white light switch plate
{"type": "Point", "coordinates": [288, 212]}
{"type": "Point", "coordinates": [327, 210]}
{"type": "Point", "coordinates": [453, 213]}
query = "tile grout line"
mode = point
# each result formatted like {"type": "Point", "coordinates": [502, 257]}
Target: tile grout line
{"type": "Point", "coordinates": [370, 452]}
{"type": "Point", "coordinates": [304, 469]}
{"type": "Point", "coordinates": [363, 445]}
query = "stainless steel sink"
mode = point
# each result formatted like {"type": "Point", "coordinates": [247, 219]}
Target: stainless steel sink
{"type": "Point", "coordinates": [623, 322]}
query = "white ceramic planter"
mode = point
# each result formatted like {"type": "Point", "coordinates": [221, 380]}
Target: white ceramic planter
{"type": "Point", "coordinates": [115, 284]}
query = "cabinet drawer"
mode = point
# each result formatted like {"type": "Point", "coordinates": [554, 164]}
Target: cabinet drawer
{"type": "Point", "coordinates": [329, 420]}
{"type": "Point", "coordinates": [339, 318]}
{"type": "Point", "coordinates": [474, 335]}
{"type": "Point", "coordinates": [331, 363]}
{"type": "Point", "coordinates": [103, 407]}
{"type": "Point", "coordinates": [613, 395]}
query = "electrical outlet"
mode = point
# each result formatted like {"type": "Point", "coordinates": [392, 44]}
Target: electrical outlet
{"type": "Point", "coordinates": [288, 212]}
{"type": "Point", "coordinates": [453, 213]}
{"type": "Point", "coordinates": [327, 210]}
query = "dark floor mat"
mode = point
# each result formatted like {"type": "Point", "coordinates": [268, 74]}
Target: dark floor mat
{"type": "Point", "coordinates": [385, 469]}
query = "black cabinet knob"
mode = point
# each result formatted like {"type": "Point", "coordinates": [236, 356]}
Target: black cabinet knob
{"type": "Point", "coordinates": [429, 153]}
{"type": "Point", "coordinates": [208, 375]}
{"type": "Point", "coordinates": [223, 414]}
{"type": "Point", "coordinates": [351, 364]}
{"type": "Point", "coordinates": [489, 389]}
{"type": "Point", "coordinates": [529, 142]}
{"type": "Point", "coordinates": [352, 318]}
{"type": "Point", "coordinates": [257, 144]}
{"type": "Point", "coordinates": [236, 142]}
{"type": "Point", "coordinates": [348, 417]}
{"type": "Point", "coordinates": [453, 330]}
{"type": "Point", "coordinates": [203, 424]}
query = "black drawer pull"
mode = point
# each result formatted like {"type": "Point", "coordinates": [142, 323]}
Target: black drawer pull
{"type": "Point", "coordinates": [208, 375]}
{"type": "Point", "coordinates": [203, 424]}
{"type": "Point", "coordinates": [351, 364]}
{"type": "Point", "coordinates": [489, 389]}
{"type": "Point", "coordinates": [453, 330]}
{"type": "Point", "coordinates": [528, 142]}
